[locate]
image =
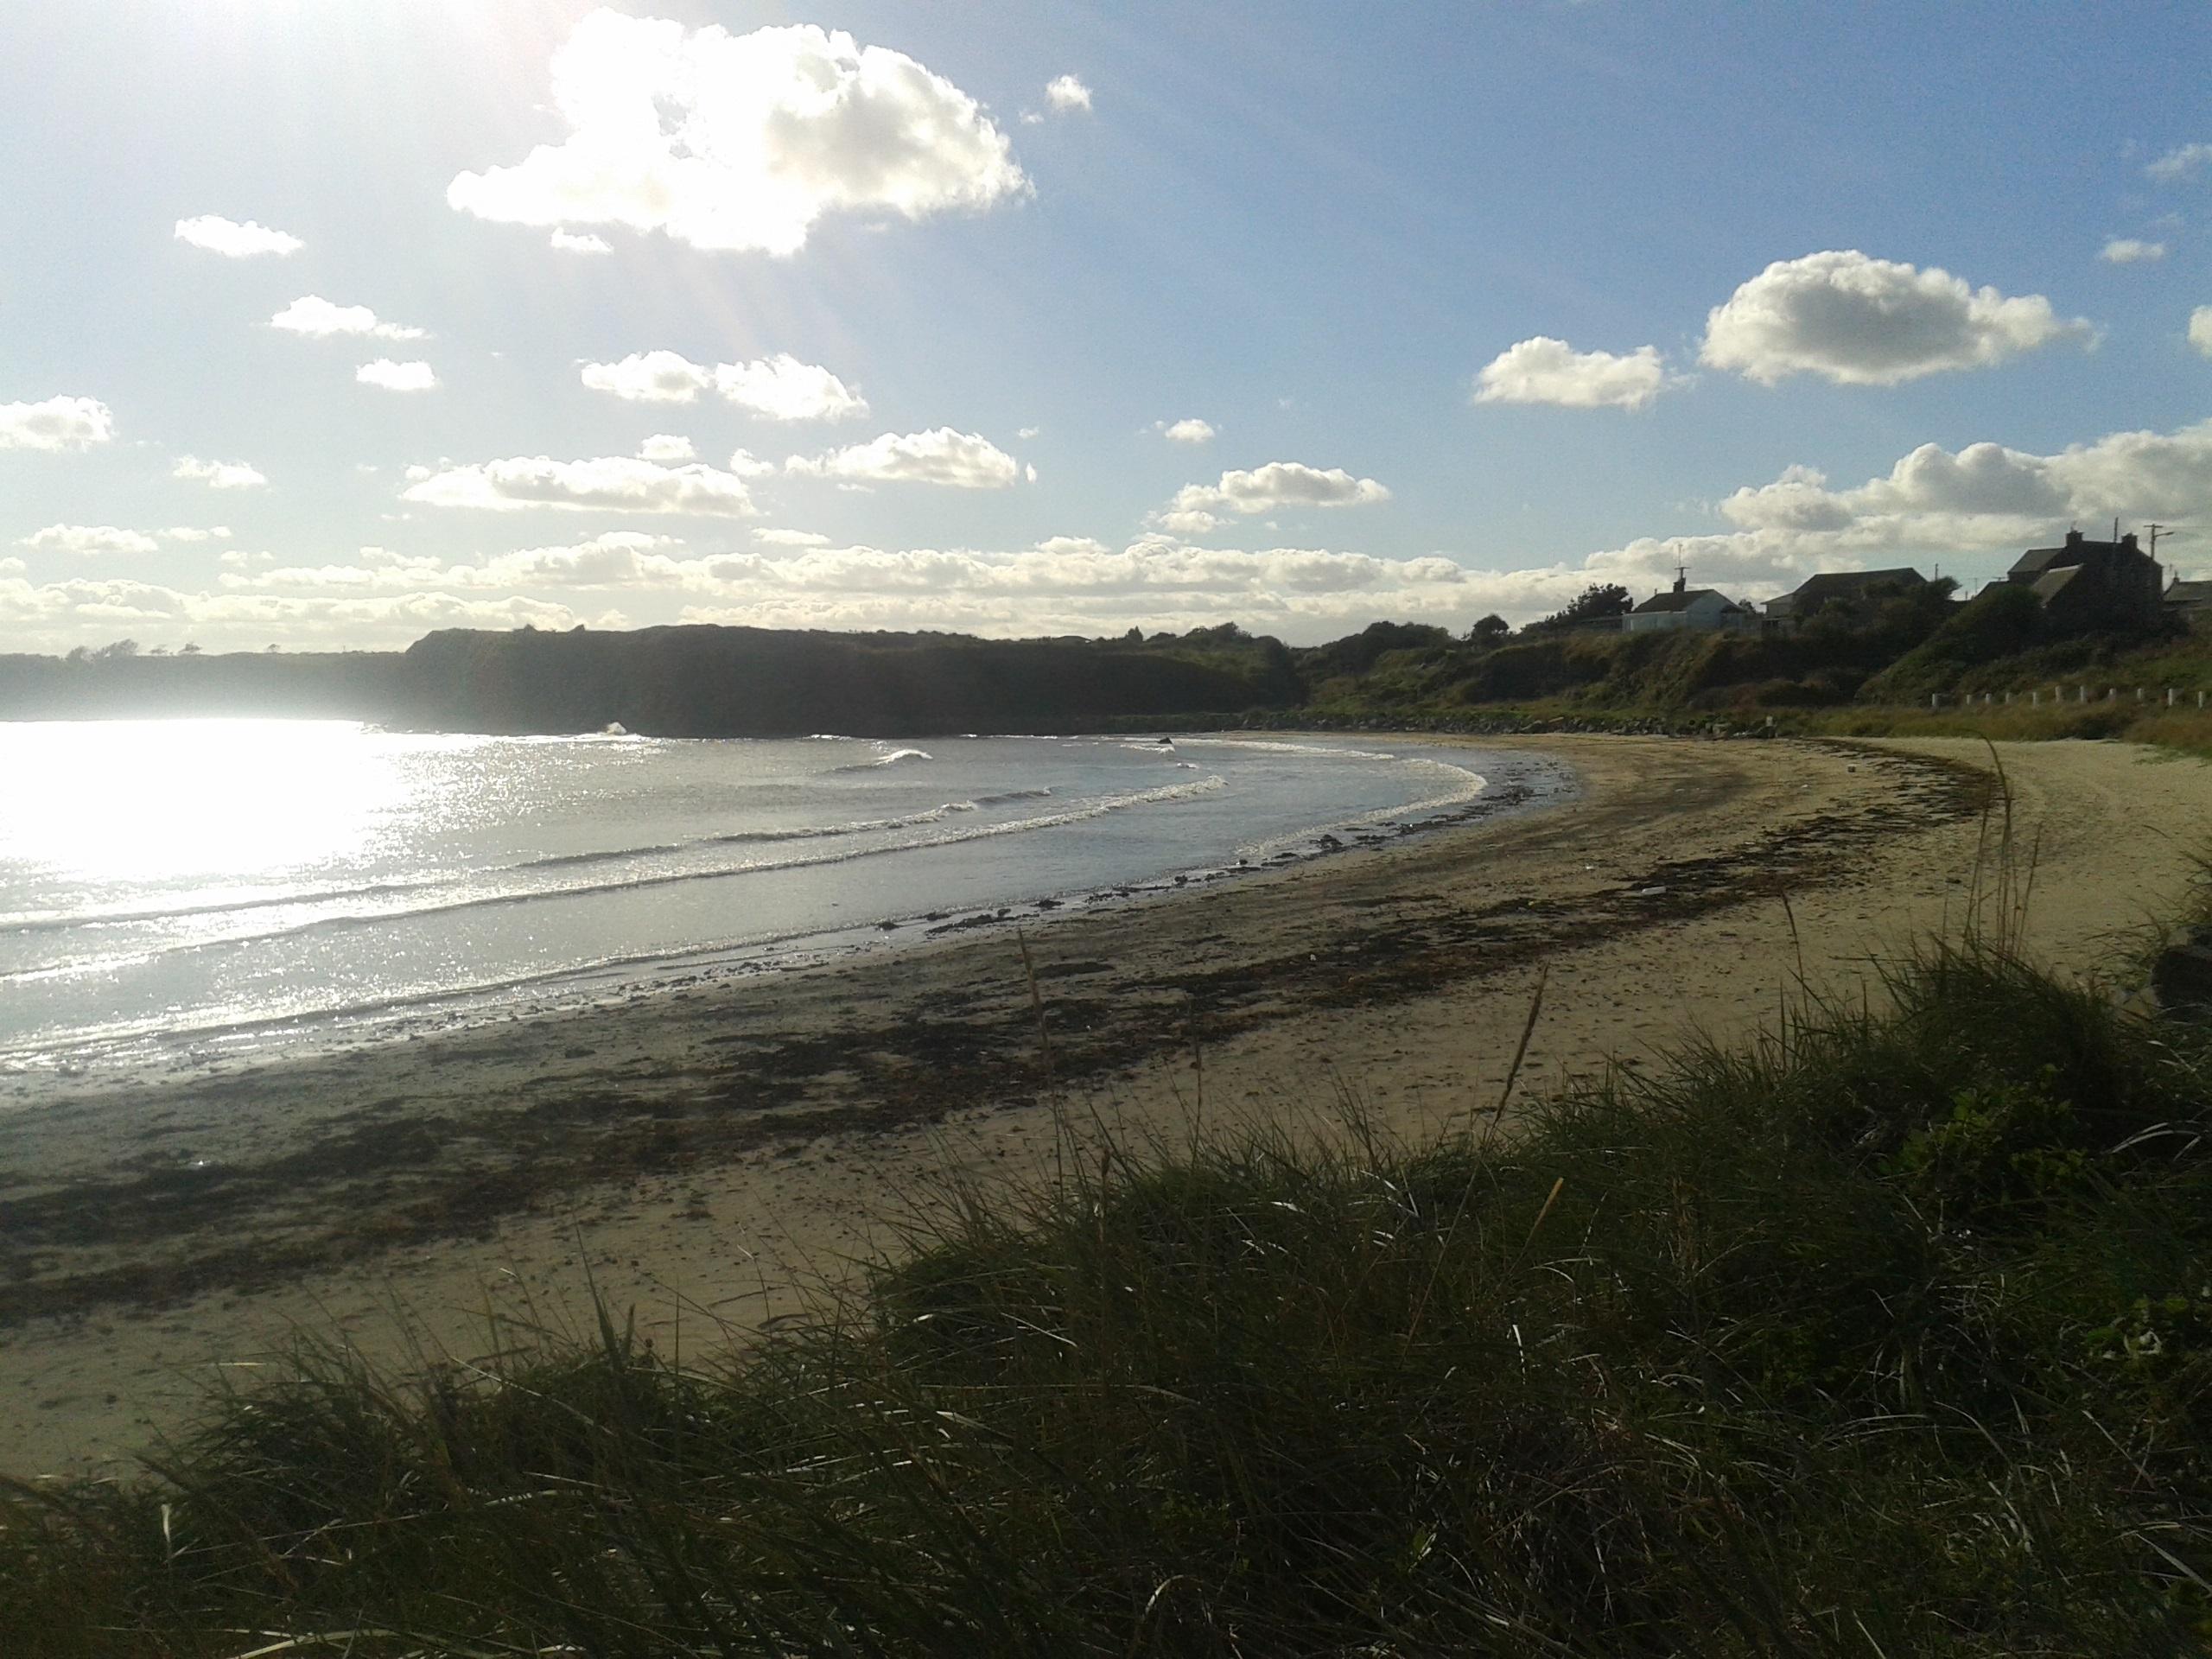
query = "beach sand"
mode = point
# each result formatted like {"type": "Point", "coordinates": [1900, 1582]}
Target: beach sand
{"type": "Point", "coordinates": [710, 1156]}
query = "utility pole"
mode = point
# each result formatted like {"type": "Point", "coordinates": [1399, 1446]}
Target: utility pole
{"type": "Point", "coordinates": [2158, 531]}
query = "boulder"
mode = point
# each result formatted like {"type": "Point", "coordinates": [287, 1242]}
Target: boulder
{"type": "Point", "coordinates": [2181, 975]}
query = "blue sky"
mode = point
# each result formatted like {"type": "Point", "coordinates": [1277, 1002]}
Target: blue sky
{"type": "Point", "coordinates": [324, 324]}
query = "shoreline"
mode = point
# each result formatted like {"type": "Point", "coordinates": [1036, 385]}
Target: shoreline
{"type": "Point", "coordinates": [87, 1070]}
{"type": "Point", "coordinates": [707, 1156]}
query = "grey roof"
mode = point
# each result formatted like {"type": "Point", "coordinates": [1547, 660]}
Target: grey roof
{"type": "Point", "coordinates": [1834, 584]}
{"type": "Point", "coordinates": [2189, 595]}
{"type": "Point", "coordinates": [2048, 585]}
{"type": "Point", "coordinates": [2036, 560]}
{"type": "Point", "coordinates": [1682, 601]}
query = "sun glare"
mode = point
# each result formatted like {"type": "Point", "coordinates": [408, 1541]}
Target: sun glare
{"type": "Point", "coordinates": [132, 800]}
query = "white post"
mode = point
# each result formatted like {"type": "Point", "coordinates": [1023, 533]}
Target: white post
{"type": "Point", "coordinates": [2170, 697]}
{"type": "Point", "coordinates": [1935, 699]}
{"type": "Point", "coordinates": [2034, 699]}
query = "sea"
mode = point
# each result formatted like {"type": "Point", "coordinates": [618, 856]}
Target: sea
{"type": "Point", "coordinates": [187, 892]}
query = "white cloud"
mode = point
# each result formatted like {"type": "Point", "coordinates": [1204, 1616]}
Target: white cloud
{"type": "Point", "coordinates": [780, 388]}
{"type": "Point", "coordinates": [607, 484]}
{"type": "Point", "coordinates": [2200, 329]}
{"type": "Point", "coordinates": [941, 456]}
{"type": "Point", "coordinates": [314, 316]}
{"type": "Point", "coordinates": [1984, 500]}
{"type": "Point", "coordinates": [2181, 162]}
{"type": "Point", "coordinates": [218, 474]}
{"type": "Point", "coordinates": [768, 537]}
{"type": "Point", "coordinates": [55, 616]}
{"type": "Point", "coordinates": [1065, 93]}
{"type": "Point", "coordinates": [1188, 430]}
{"type": "Point", "coordinates": [745, 140]}
{"type": "Point", "coordinates": [783, 389]}
{"type": "Point", "coordinates": [233, 240]}
{"type": "Point", "coordinates": [2127, 251]}
{"type": "Point", "coordinates": [746, 464]}
{"type": "Point", "coordinates": [1873, 322]}
{"type": "Point", "coordinates": [569, 242]}
{"type": "Point", "coordinates": [667, 446]}
{"type": "Point", "coordinates": [191, 533]}
{"type": "Point", "coordinates": [650, 377]}
{"type": "Point", "coordinates": [1198, 508]}
{"type": "Point", "coordinates": [88, 538]}
{"type": "Point", "coordinates": [57, 423]}
{"type": "Point", "coordinates": [1027, 432]}
{"type": "Point", "coordinates": [1542, 370]}
{"type": "Point", "coordinates": [396, 377]}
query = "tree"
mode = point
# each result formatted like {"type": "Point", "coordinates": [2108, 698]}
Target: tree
{"type": "Point", "coordinates": [1489, 630]}
{"type": "Point", "coordinates": [1596, 603]}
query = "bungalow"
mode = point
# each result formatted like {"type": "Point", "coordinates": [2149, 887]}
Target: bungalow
{"type": "Point", "coordinates": [1848, 591]}
{"type": "Point", "coordinates": [1698, 610]}
{"type": "Point", "coordinates": [2188, 602]}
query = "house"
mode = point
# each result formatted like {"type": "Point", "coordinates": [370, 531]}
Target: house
{"type": "Point", "coordinates": [2189, 601]}
{"type": "Point", "coordinates": [1853, 592]}
{"type": "Point", "coordinates": [1698, 610]}
{"type": "Point", "coordinates": [2090, 584]}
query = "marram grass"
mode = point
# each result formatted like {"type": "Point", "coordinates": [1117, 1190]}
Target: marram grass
{"type": "Point", "coordinates": [1891, 1335]}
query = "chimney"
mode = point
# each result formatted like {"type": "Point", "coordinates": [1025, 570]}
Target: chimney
{"type": "Point", "coordinates": [1681, 584]}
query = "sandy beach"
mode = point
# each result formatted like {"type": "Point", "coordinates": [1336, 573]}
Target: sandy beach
{"type": "Point", "coordinates": [706, 1156]}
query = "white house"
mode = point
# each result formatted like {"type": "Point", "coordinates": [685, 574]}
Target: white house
{"type": "Point", "coordinates": [1700, 610]}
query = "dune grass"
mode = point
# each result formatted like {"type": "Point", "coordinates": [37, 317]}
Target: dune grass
{"type": "Point", "coordinates": [1890, 1335]}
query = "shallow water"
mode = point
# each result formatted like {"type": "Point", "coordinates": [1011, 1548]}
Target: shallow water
{"type": "Point", "coordinates": [187, 888]}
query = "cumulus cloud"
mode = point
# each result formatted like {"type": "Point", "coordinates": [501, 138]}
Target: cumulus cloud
{"type": "Point", "coordinates": [1191, 429]}
{"type": "Point", "coordinates": [779, 388]}
{"type": "Point", "coordinates": [606, 484]}
{"type": "Point", "coordinates": [194, 533]}
{"type": "Point", "coordinates": [1542, 370]}
{"type": "Point", "coordinates": [396, 377]}
{"type": "Point", "coordinates": [87, 539]}
{"type": "Point", "coordinates": [955, 459]}
{"type": "Point", "coordinates": [778, 538]}
{"type": "Point", "coordinates": [1984, 500]}
{"type": "Point", "coordinates": [667, 446]}
{"type": "Point", "coordinates": [783, 389]}
{"type": "Point", "coordinates": [650, 377]}
{"type": "Point", "coordinates": [56, 616]}
{"type": "Point", "coordinates": [2184, 162]}
{"type": "Point", "coordinates": [569, 242]}
{"type": "Point", "coordinates": [57, 423]}
{"type": "Point", "coordinates": [2200, 329]}
{"type": "Point", "coordinates": [318, 318]}
{"type": "Point", "coordinates": [218, 474]}
{"type": "Point", "coordinates": [2127, 251]}
{"type": "Point", "coordinates": [1198, 508]}
{"type": "Point", "coordinates": [233, 240]}
{"type": "Point", "coordinates": [1065, 93]}
{"type": "Point", "coordinates": [1873, 322]}
{"type": "Point", "coordinates": [743, 141]}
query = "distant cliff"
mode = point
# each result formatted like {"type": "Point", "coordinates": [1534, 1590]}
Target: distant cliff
{"type": "Point", "coordinates": [715, 682]}
{"type": "Point", "coordinates": [682, 681]}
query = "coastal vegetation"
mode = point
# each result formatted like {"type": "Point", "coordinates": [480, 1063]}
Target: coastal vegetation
{"type": "Point", "coordinates": [1861, 668]}
{"type": "Point", "coordinates": [1889, 1334]}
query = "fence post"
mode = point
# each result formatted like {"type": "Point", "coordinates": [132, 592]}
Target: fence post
{"type": "Point", "coordinates": [1935, 699]}
{"type": "Point", "coordinates": [2170, 697]}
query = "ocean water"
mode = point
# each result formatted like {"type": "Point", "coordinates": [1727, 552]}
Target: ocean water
{"type": "Point", "coordinates": [179, 890]}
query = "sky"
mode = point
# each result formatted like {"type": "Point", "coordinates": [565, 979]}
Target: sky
{"type": "Point", "coordinates": [325, 324]}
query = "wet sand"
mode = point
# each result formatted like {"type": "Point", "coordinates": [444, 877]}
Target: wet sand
{"type": "Point", "coordinates": [707, 1155]}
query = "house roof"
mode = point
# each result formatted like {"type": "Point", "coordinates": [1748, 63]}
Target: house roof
{"type": "Point", "coordinates": [1659, 603]}
{"type": "Point", "coordinates": [2048, 585]}
{"type": "Point", "coordinates": [2189, 595]}
{"type": "Point", "coordinates": [1836, 584]}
